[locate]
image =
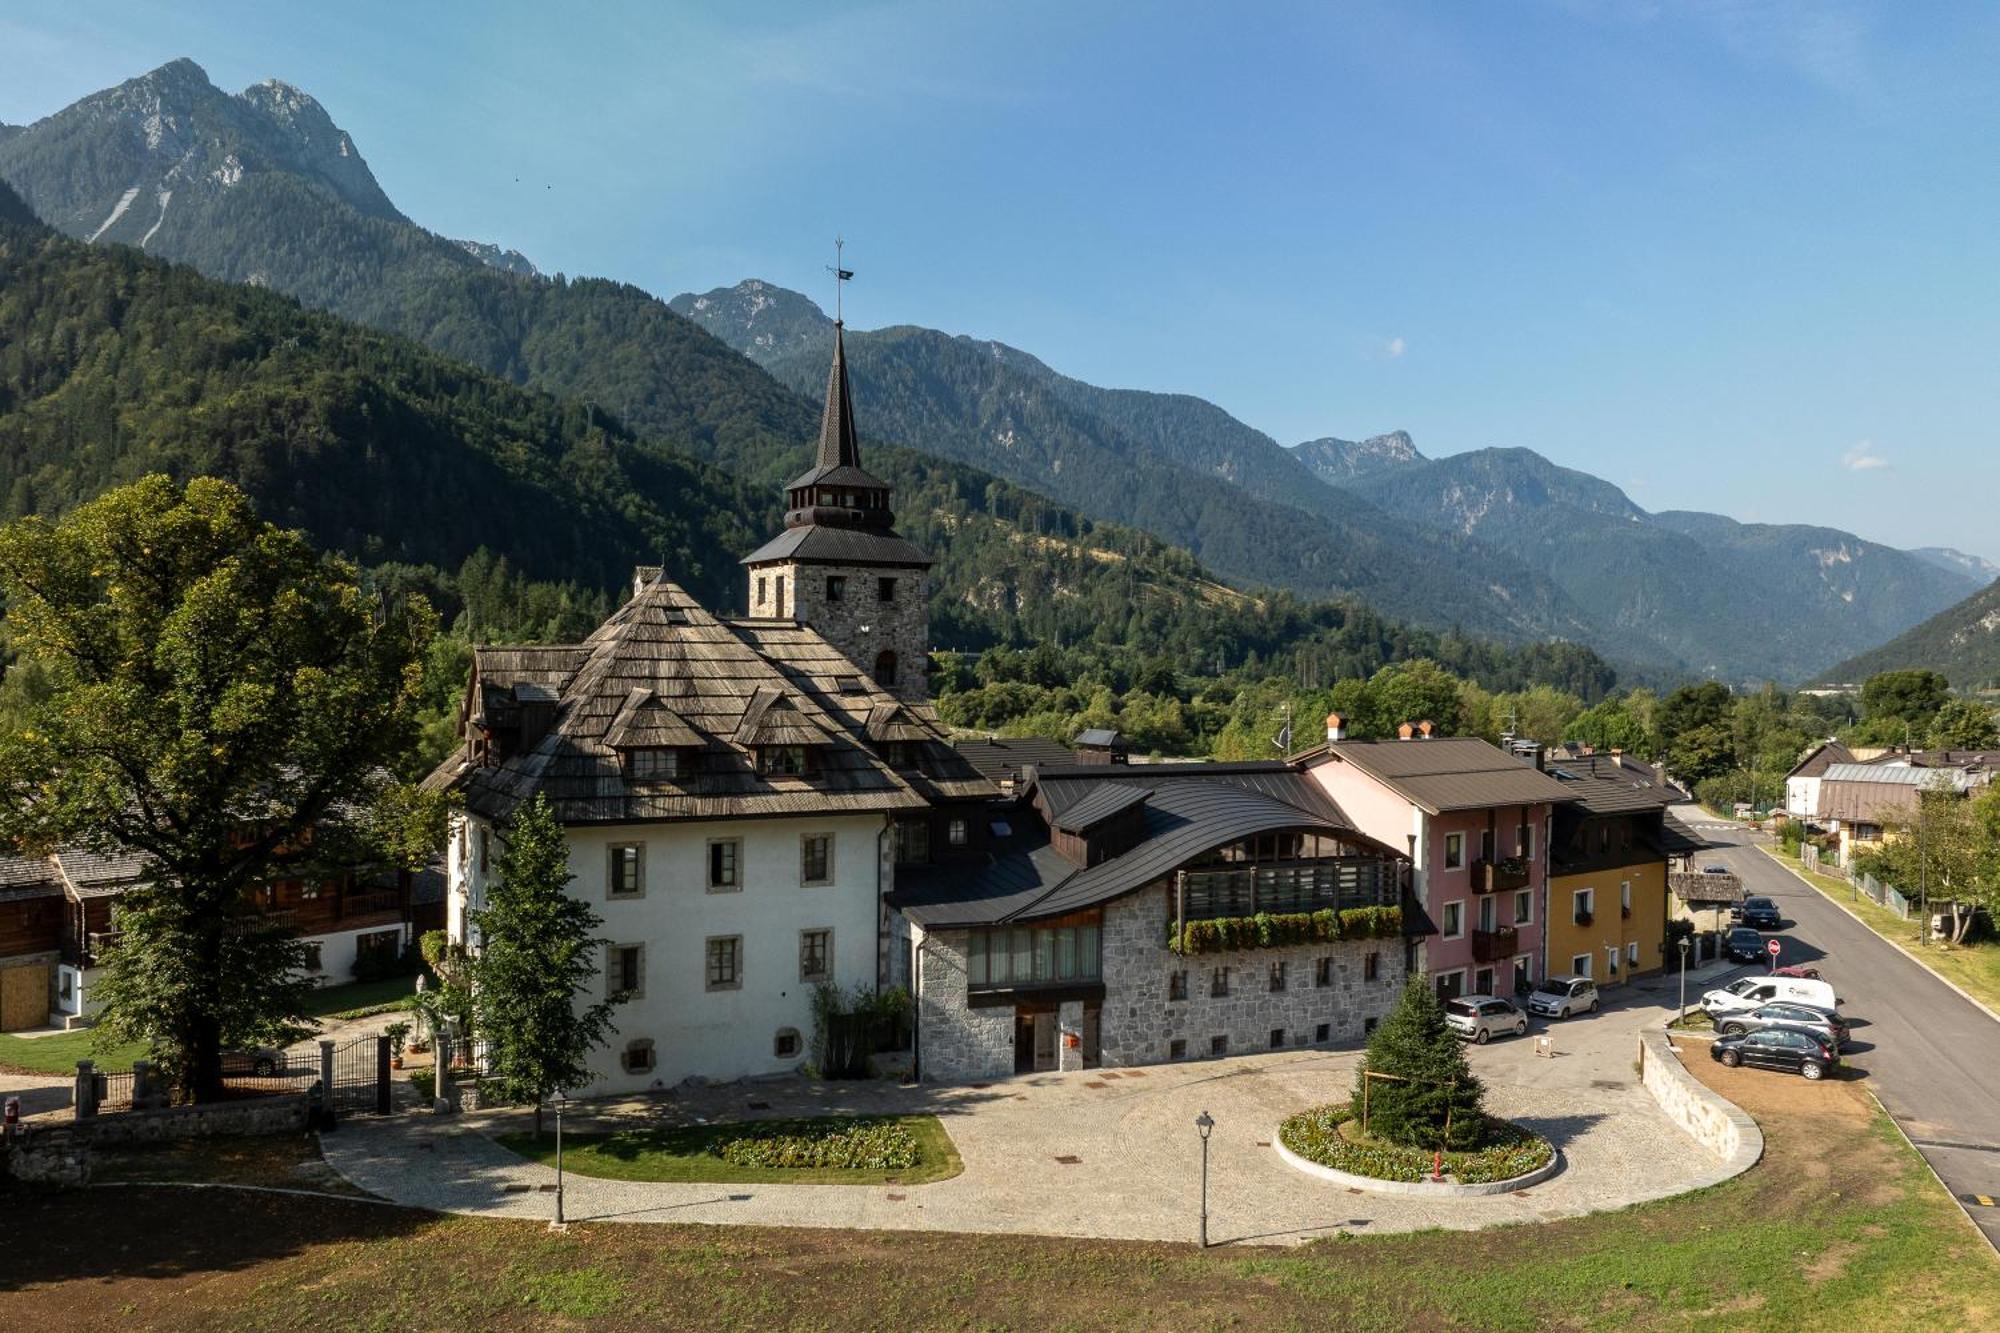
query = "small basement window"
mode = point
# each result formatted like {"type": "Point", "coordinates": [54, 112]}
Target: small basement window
{"type": "Point", "coordinates": [787, 1044]}
{"type": "Point", "coordinates": [638, 1057]}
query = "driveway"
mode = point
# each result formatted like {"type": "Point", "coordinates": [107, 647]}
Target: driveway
{"type": "Point", "coordinates": [1931, 1056]}
{"type": "Point", "coordinates": [1103, 1153]}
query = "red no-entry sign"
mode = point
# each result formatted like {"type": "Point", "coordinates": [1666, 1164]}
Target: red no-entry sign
{"type": "Point", "coordinates": [1771, 947]}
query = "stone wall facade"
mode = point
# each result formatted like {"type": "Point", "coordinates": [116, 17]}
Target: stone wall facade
{"type": "Point", "coordinates": [956, 1043]}
{"type": "Point", "coordinates": [283, 1113]}
{"type": "Point", "coordinates": [1138, 1022]}
{"type": "Point", "coordinates": [860, 624]}
{"type": "Point", "coordinates": [1141, 1024]}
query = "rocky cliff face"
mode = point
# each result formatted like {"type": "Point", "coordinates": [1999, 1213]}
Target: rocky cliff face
{"type": "Point", "coordinates": [1338, 461]}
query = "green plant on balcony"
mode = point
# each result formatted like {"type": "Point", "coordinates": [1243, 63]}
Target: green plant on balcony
{"type": "Point", "coordinates": [1271, 930]}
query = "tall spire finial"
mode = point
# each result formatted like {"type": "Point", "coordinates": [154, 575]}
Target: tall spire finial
{"type": "Point", "coordinates": [841, 276]}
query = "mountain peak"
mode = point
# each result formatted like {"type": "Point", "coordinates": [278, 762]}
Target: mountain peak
{"type": "Point", "coordinates": [1337, 461]}
{"type": "Point", "coordinates": [759, 315]}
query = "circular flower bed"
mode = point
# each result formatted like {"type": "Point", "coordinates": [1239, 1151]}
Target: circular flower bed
{"type": "Point", "coordinates": [1330, 1136]}
{"type": "Point", "coordinates": [881, 1145]}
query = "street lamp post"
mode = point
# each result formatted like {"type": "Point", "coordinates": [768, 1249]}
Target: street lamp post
{"type": "Point", "coordinates": [560, 1102]}
{"type": "Point", "coordinates": [1685, 943]}
{"type": "Point", "coordinates": [1205, 1123]}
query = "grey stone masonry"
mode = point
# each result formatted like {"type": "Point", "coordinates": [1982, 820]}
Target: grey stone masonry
{"type": "Point", "coordinates": [1140, 1023]}
{"type": "Point", "coordinates": [859, 623]}
{"type": "Point", "coordinates": [956, 1042]}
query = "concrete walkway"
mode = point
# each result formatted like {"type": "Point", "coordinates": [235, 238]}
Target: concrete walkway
{"type": "Point", "coordinates": [1136, 1173]}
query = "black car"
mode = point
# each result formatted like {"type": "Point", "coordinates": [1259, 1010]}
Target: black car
{"type": "Point", "coordinates": [1744, 945]}
{"type": "Point", "coordinates": [1777, 1048]}
{"type": "Point", "coordinates": [1759, 912]}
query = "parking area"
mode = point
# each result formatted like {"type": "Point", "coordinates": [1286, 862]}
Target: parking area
{"type": "Point", "coordinates": [1108, 1153]}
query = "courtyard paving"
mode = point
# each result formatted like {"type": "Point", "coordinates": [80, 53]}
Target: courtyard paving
{"type": "Point", "coordinates": [1104, 1153]}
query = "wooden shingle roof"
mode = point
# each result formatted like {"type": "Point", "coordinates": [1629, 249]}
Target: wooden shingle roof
{"type": "Point", "coordinates": [664, 671]}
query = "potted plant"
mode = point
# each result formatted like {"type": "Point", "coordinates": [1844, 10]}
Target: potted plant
{"type": "Point", "coordinates": [398, 1034]}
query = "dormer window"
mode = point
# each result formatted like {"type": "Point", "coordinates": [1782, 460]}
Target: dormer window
{"type": "Point", "coordinates": [654, 765]}
{"type": "Point", "coordinates": [781, 760]}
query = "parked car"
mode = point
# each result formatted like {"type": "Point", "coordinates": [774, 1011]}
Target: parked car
{"type": "Point", "coordinates": [1743, 945]}
{"type": "Point", "coordinates": [1824, 1024]}
{"type": "Point", "coordinates": [1798, 970]}
{"type": "Point", "coordinates": [1776, 1048]}
{"type": "Point", "coordinates": [1480, 1018]}
{"type": "Point", "coordinates": [1759, 912]}
{"type": "Point", "coordinates": [1715, 870]}
{"type": "Point", "coordinates": [1562, 997]}
{"type": "Point", "coordinates": [1746, 993]}
{"type": "Point", "coordinates": [256, 1061]}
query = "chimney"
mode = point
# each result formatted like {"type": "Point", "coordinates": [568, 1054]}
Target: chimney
{"type": "Point", "coordinates": [1425, 728]}
{"type": "Point", "coordinates": [1617, 752]}
{"type": "Point", "coordinates": [1336, 727]}
{"type": "Point", "coordinates": [1405, 731]}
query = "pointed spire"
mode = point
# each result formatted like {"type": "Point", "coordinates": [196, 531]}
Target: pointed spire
{"type": "Point", "coordinates": [837, 444]}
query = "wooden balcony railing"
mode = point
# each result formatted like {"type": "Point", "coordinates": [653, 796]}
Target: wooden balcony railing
{"type": "Point", "coordinates": [1288, 886]}
{"type": "Point", "coordinates": [1494, 946]}
{"type": "Point", "coordinates": [1499, 876]}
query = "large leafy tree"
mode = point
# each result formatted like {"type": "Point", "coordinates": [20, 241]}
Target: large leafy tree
{"type": "Point", "coordinates": [535, 959]}
{"type": "Point", "coordinates": [222, 701]}
{"type": "Point", "coordinates": [1965, 724]}
{"type": "Point", "coordinates": [1899, 706]}
{"type": "Point", "coordinates": [1429, 1081]}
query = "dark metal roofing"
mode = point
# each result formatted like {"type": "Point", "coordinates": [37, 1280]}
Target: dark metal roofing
{"type": "Point", "coordinates": [1190, 809]}
{"type": "Point", "coordinates": [1096, 738]}
{"type": "Point", "coordinates": [839, 546]}
{"type": "Point", "coordinates": [839, 446]}
{"type": "Point", "coordinates": [1819, 758]}
{"type": "Point", "coordinates": [1603, 785]}
{"type": "Point", "coordinates": [1000, 758]}
{"type": "Point", "coordinates": [1446, 772]}
{"type": "Point", "coordinates": [1101, 803]}
{"type": "Point", "coordinates": [1677, 839]}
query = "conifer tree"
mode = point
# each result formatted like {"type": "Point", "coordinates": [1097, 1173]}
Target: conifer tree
{"type": "Point", "coordinates": [1431, 1076]}
{"type": "Point", "coordinates": [536, 958]}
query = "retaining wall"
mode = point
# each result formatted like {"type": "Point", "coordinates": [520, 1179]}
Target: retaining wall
{"type": "Point", "coordinates": [285, 1113]}
{"type": "Point", "coordinates": [1712, 1120]}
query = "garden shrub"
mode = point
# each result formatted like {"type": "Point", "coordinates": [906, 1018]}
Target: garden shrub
{"type": "Point", "coordinates": [881, 1145]}
{"type": "Point", "coordinates": [1501, 1150]}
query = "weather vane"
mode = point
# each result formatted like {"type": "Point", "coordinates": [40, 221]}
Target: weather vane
{"type": "Point", "coordinates": [841, 274]}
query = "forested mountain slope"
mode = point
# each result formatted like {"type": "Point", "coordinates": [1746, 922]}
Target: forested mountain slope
{"type": "Point", "coordinates": [1962, 641]}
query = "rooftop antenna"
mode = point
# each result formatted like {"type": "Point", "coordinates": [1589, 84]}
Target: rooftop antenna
{"type": "Point", "coordinates": [842, 275]}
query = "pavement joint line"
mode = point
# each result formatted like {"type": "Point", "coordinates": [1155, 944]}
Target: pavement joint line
{"type": "Point", "coordinates": [1963, 994]}
{"type": "Point", "coordinates": [1963, 1210]}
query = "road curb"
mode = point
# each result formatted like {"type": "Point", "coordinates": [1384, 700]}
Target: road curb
{"type": "Point", "coordinates": [1861, 921]}
{"type": "Point", "coordinates": [1957, 1202]}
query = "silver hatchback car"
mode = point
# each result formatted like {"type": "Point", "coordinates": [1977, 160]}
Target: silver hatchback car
{"type": "Point", "coordinates": [1480, 1018]}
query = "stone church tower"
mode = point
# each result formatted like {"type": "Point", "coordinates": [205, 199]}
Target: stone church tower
{"type": "Point", "coordinates": [839, 566]}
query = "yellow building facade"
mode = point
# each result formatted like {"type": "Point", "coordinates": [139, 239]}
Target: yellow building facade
{"type": "Point", "coordinates": [1609, 923]}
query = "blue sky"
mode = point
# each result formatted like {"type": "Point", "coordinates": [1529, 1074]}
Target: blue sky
{"type": "Point", "coordinates": [1732, 256]}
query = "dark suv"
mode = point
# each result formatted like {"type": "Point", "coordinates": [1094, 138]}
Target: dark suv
{"type": "Point", "coordinates": [1744, 945]}
{"type": "Point", "coordinates": [1759, 912]}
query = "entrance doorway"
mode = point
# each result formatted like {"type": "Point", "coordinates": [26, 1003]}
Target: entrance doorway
{"type": "Point", "coordinates": [1034, 1039]}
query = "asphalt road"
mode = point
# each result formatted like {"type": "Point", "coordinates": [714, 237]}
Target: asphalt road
{"type": "Point", "coordinates": [1931, 1056]}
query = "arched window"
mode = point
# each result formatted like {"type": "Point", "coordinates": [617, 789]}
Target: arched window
{"type": "Point", "coordinates": [885, 667]}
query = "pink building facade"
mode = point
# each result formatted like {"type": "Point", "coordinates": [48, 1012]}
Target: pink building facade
{"type": "Point", "coordinates": [1476, 823]}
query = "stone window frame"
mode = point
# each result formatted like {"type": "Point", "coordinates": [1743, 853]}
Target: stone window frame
{"type": "Point", "coordinates": [1277, 1039]}
{"type": "Point", "coordinates": [1177, 1049]}
{"type": "Point", "coordinates": [836, 587]}
{"type": "Point", "coordinates": [710, 958]}
{"type": "Point", "coordinates": [1218, 1045]}
{"type": "Point", "coordinates": [787, 1044]}
{"type": "Point", "coordinates": [614, 966]}
{"type": "Point", "coordinates": [1218, 983]}
{"type": "Point", "coordinates": [1452, 911]}
{"type": "Point", "coordinates": [1177, 986]}
{"type": "Point", "coordinates": [806, 880]}
{"type": "Point", "coordinates": [612, 855]}
{"type": "Point", "coordinates": [1322, 972]}
{"type": "Point", "coordinates": [638, 1046]}
{"type": "Point", "coordinates": [826, 954]}
{"type": "Point", "coordinates": [1323, 1032]}
{"type": "Point", "coordinates": [885, 588]}
{"type": "Point", "coordinates": [1369, 1024]}
{"type": "Point", "coordinates": [1280, 976]}
{"type": "Point", "coordinates": [1454, 851]}
{"type": "Point", "coordinates": [734, 883]}
{"type": "Point", "coordinates": [1371, 965]}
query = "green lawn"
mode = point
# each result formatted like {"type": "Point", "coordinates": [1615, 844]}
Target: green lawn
{"type": "Point", "coordinates": [59, 1052]}
{"type": "Point", "coordinates": [358, 999]}
{"type": "Point", "coordinates": [683, 1153]}
{"type": "Point", "coordinates": [1974, 968]}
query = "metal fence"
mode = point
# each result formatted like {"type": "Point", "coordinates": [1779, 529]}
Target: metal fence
{"type": "Point", "coordinates": [1882, 894]}
{"type": "Point", "coordinates": [353, 1078]}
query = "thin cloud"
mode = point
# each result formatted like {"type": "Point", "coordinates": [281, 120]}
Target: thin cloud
{"type": "Point", "coordinates": [1863, 458]}
{"type": "Point", "coordinates": [1393, 348]}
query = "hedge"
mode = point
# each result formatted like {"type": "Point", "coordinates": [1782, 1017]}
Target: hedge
{"type": "Point", "coordinates": [881, 1145]}
{"type": "Point", "coordinates": [1268, 930]}
{"type": "Point", "coordinates": [1507, 1151]}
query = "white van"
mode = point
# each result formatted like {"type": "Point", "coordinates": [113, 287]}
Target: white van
{"type": "Point", "coordinates": [1746, 993]}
